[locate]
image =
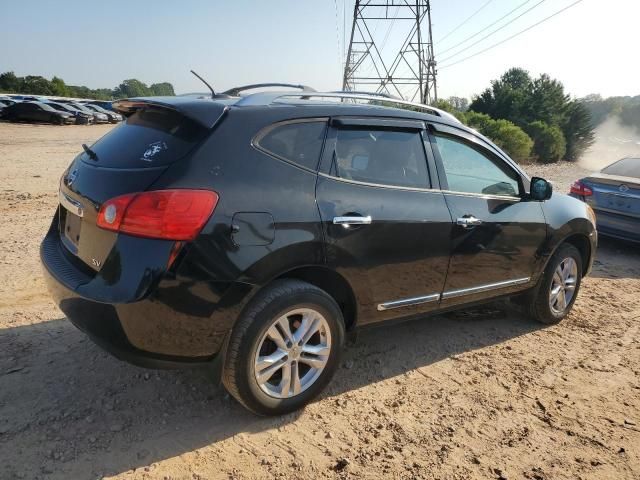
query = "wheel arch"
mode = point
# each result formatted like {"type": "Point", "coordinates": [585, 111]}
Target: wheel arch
{"type": "Point", "coordinates": [583, 245]}
{"type": "Point", "coordinates": [331, 282]}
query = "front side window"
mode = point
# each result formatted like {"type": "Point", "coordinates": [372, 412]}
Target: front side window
{"type": "Point", "coordinates": [386, 157]}
{"type": "Point", "coordinates": [470, 171]}
{"type": "Point", "coordinates": [297, 142]}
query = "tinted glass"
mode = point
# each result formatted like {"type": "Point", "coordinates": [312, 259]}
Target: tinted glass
{"type": "Point", "coordinates": [468, 170]}
{"type": "Point", "coordinates": [44, 106]}
{"type": "Point", "coordinates": [300, 143]}
{"type": "Point", "coordinates": [381, 156]}
{"type": "Point", "coordinates": [148, 138]}
{"type": "Point", "coordinates": [627, 167]}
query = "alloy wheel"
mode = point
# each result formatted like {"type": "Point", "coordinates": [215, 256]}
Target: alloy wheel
{"type": "Point", "coordinates": [563, 285]}
{"type": "Point", "coordinates": [292, 353]}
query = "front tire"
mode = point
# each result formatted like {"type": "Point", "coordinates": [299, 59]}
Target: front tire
{"type": "Point", "coordinates": [557, 289]}
{"type": "Point", "coordinates": [284, 349]}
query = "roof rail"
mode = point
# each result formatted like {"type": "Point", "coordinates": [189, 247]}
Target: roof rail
{"type": "Point", "coordinates": [375, 94]}
{"type": "Point", "coordinates": [235, 91]}
{"type": "Point", "coordinates": [266, 98]}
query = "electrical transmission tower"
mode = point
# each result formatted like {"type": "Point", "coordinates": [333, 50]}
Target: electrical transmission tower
{"type": "Point", "coordinates": [411, 74]}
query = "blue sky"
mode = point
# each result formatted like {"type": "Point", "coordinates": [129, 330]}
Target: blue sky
{"type": "Point", "coordinates": [590, 47]}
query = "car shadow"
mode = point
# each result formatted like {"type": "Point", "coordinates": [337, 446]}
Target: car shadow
{"type": "Point", "coordinates": [616, 259]}
{"type": "Point", "coordinates": [83, 411]}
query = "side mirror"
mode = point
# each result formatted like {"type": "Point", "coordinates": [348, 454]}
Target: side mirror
{"type": "Point", "coordinates": [540, 189]}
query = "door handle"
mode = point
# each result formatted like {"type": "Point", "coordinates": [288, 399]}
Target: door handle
{"type": "Point", "coordinates": [468, 221]}
{"type": "Point", "coordinates": [352, 220]}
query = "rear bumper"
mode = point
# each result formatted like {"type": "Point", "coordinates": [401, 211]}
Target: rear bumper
{"type": "Point", "coordinates": [158, 322]}
{"type": "Point", "coordinates": [618, 225]}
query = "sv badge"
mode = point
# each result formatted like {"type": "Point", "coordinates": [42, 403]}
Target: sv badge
{"type": "Point", "coordinates": [96, 263]}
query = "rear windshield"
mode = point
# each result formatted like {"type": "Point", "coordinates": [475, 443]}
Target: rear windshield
{"type": "Point", "coordinates": [627, 167]}
{"type": "Point", "coordinates": [150, 137]}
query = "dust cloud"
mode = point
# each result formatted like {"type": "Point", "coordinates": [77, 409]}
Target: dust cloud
{"type": "Point", "coordinates": [613, 142]}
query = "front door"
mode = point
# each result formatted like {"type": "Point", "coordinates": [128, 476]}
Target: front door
{"type": "Point", "coordinates": [385, 229]}
{"type": "Point", "coordinates": [497, 233]}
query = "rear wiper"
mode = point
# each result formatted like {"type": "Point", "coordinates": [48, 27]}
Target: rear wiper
{"type": "Point", "coordinates": [92, 155]}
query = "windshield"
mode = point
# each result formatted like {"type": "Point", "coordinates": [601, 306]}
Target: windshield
{"type": "Point", "coordinates": [46, 107]}
{"type": "Point", "coordinates": [81, 107]}
{"type": "Point", "coordinates": [627, 167]}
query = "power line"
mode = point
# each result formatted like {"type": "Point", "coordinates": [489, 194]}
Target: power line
{"type": "Point", "coordinates": [335, 4]}
{"type": "Point", "coordinates": [512, 36]}
{"type": "Point", "coordinates": [491, 33]}
{"type": "Point", "coordinates": [465, 21]}
{"type": "Point", "coordinates": [485, 28]}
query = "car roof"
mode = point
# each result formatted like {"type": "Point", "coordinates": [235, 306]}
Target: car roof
{"type": "Point", "coordinates": [208, 109]}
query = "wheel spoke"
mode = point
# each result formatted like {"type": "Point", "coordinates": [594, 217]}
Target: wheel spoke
{"type": "Point", "coordinates": [313, 362]}
{"type": "Point", "coordinates": [562, 301]}
{"type": "Point", "coordinates": [283, 323]}
{"type": "Point", "coordinates": [308, 326]}
{"type": "Point", "coordinates": [316, 349]}
{"type": "Point", "coordinates": [285, 383]}
{"type": "Point", "coordinates": [295, 379]}
{"type": "Point", "coordinates": [269, 360]}
{"type": "Point", "coordinates": [274, 334]}
{"type": "Point", "coordinates": [268, 372]}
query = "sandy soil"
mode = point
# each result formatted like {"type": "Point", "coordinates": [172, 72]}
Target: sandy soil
{"type": "Point", "coordinates": [486, 394]}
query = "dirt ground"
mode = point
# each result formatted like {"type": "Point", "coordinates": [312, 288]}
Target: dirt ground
{"type": "Point", "coordinates": [486, 394]}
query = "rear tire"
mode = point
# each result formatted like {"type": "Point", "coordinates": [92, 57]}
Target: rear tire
{"type": "Point", "coordinates": [290, 330]}
{"type": "Point", "coordinates": [556, 292]}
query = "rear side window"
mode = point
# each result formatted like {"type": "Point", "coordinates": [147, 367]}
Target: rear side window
{"type": "Point", "coordinates": [297, 142]}
{"type": "Point", "coordinates": [150, 137]}
{"type": "Point", "coordinates": [386, 157]}
{"type": "Point", "coordinates": [627, 167]}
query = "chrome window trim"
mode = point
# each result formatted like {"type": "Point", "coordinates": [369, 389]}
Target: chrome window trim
{"type": "Point", "coordinates": [380, 185]}
{"type": "Point", "coordinates": [417, 189]}
{"type": "Point", "coordinates": [407, 302]}
{"type": "Point", "coordinates": [482, 195]}
{"type": "Point", "coordinates": [484, 288]}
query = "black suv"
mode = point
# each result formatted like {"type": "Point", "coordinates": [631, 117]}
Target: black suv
{"type": "Point", "coordinates": [256, 229]}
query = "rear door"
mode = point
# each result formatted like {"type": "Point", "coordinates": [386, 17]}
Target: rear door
{"type": "Point", "coordinates": [497, 234]}
{"type": "Point", "coordinates": [386, 229]}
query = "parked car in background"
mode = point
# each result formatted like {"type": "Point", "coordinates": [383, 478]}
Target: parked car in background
{"type": "Point", "coordinates": [2, 107]}
{"type": "Point", "coordinates": [107, 105]}
{"type": "Point", "coordinates": [7, 100]}
{"type": "Point", "coordinates": [259, 229]}
{"type": "Point", "coordinates": [37, 112]}
{"type": "Point", "coordinates": [113, 116]}
{"type": "Point", "coordinates": [98, 117]}
{"type": "Point", "coordinates": [614, 194]}
{"type": "Point", "coordinates": [82, 118]}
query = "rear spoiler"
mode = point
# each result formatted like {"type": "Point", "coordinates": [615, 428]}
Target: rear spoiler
{"type": "Point", "coordinates": [205, 112]}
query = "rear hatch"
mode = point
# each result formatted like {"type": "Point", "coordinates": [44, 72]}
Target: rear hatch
{"type": "Point", "coordinates": [126, 160]}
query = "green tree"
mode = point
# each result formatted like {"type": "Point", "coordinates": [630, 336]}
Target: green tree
{"type": "Point", "coordinates": [9, 83]}
{"type": "Point", "coordinates": [59, 88]}
{"type": "Point", "coordinates": [518, 98]}
{"type": "Point", "coordinates": [578, 130]}
{"type": "Point", "coordinates": [131, 88]}
{"type": "Point", "coordinates": [549, 143]}
{"type": "Point", "coordinates": [162, 89]}
{"type": "Point", "coordinates": [547, 101]}
{"type": "Point", "coordinates": [505, 134]}
{"type": "Point", "coordinates": [507, 98]}
{"type": "Point", "coordinates": [35, 85]}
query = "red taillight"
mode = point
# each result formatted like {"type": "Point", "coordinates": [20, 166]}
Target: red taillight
{"type": "Point", "coordinates": [579, 188]}
{"type": "Point", "coordinates": [166, 214]}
